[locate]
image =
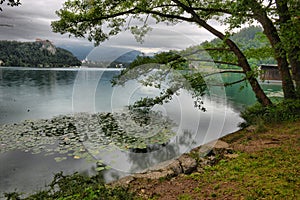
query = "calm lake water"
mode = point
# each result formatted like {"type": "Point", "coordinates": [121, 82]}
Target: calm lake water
{"type": "Point", "coordinates": [44, 93]}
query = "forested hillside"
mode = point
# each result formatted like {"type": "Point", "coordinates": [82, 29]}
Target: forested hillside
{"type": "Point", "coordinates": [250, 40]}
{"type": "Point", "coordinates": [41, 53]}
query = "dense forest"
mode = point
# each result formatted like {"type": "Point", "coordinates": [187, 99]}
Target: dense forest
{"type": "Point", "coordinates": [250, 40]}
{"type": "Point", "coordinates": [41, 53]}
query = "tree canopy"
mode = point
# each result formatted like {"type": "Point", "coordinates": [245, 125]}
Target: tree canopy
{"type": "Point", "coordinates": [196, 81]}
{"type": "Point", "coordinates": [252, 42]}
{"type": "Point", "coordinates": [11, 3]}
{"type": "Point", "coordinates": [99, 19]}
{"type": "Point", "coordinates": [281, 24]}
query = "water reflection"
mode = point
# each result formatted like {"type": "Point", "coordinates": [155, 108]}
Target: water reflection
{"type": "Point", "coordinates": [240, 95]}
{"type": "Point", "coordinates": [36, 94]}
{"type": "Point", "coordinates": [26, 172]}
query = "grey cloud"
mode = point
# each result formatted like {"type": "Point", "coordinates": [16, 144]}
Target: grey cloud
{"type": "Point", "coordinates": [32, 20]}
{"type": "Point", "coordinates": [180, 36]}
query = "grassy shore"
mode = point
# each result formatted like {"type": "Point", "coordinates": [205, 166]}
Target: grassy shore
{"type": "Point", "coordinates": [265, 164]}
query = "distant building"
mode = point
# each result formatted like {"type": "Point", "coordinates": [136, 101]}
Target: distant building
{"type": "Point", "coordinates": [269, 72]}
{"type": "Point", "coordinates": [43, 41]}
{"type": "Point", "coordinates": [46, 44]}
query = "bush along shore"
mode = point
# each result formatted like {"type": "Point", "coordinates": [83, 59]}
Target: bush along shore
{"type": "Point", "coordinates": [258, 162]}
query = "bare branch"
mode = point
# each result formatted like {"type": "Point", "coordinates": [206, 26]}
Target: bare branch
{"type": "Point", "coordinates": [216, 49]}
{"type": "Point", "coordinates": [224, 72]}
{"type": "Point", "coordinates": [270, 4]}
{"type": "Point", "coordinates": [235, 82]}
{"type": "Point", "coordinates": [127, 12]}
{"type": "Point", "coordinates": [213, 10]}
{"type": "Point", "coordinates": [207, 49]}
{"type": "Point", "coordinates": [190, 4]}
{"type": "Point", "coordinates": [214, 61]}
{"type": "Point", "coordinates": [168, 15]}
{"type": "Point", "coordinates": [224, 84]}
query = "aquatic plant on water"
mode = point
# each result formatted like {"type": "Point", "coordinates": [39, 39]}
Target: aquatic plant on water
{"type": "Point", "coordinates": [66, 136]}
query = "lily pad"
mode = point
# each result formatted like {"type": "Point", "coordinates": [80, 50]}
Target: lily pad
{"type": "Point", "coordinates": [98, 169]}
{"type": "Point", "coordinates": [59, 159]}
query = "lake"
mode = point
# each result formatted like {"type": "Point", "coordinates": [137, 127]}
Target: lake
{"type": "Point", "coordinates": [42, 97]}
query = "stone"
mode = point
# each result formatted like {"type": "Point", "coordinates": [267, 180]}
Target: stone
{"type": "Point", "coordinates": [159, 166]}
{"type": "Point", "coordinates": [234, 155]}
{"type": "Point", "coordinates": [175, 166]}
{"type": "Point", "coordinates": [123, 181]}
{"type": "Point", "coordinates": [213, 147]}
{"type": "Point", "coordinates": [187, 163]}
{"type": "Point", "coordinates": [218, 144]}
{"type": "Point", "coordinates": [154, 175]}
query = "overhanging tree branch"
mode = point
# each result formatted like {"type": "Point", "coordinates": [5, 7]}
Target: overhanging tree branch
{"type": "Point", "coordinates": [235, 82]}
{"type": "Point", "coordinates": [104, 17]}
{"type": "Point", "coordinates": [167, 15]}
{"type": "Point", "coordinates": [183, 10]}
{"type": "Point", "coordinates": [214, 61]}
{"type": "Point", "coordinates": [11, 3]}
{"type": "Point", "coordinates": [242, 60]}
{"type": "Point", "coordinates": [206, 49]}
{"type": "Point", "coordinates": [224, 72]}
{"type": "Point", "coordinates": [212, 10]}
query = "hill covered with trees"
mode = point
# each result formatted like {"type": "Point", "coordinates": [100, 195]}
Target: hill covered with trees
{"type": "Point", "coordinates": [252, 42]}
{"type": "Point", "coordinates": [41, 53]}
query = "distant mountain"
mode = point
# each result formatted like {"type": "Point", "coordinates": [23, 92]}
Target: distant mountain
{"type": "Point", "coordinates": [245, 38]}
{"type": "Point", "coordinates": [41, 53]}
{"type": "Point", "coordinates": [111, 57]}
{"type": "Point", "coordinates": [125, 59]}
{"type": "Point", "coordinates": [78, 50]}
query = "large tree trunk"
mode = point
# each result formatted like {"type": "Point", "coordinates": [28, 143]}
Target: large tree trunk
{"type": "Point", "coordinates": [287, 27]}
{"type": "Point", "coordinates": [295, 64]}
{"type": "Point", "coordinates": [280, 54]}
{"type": "Point", "coordinates": [242, 61]}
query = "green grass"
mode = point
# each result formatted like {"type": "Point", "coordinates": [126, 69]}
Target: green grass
{"type": "Point", "coordinates": [272, 173]}
{"type": "Point", "coordinates": [184, 197]}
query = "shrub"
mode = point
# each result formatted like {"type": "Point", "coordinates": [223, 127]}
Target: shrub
{"type": "Point", "coordinates": [286, 110]}
{"type": "Point", "coordinates": [77, 186]}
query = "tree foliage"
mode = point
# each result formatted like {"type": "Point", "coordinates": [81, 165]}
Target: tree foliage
{"type": "Point", "coordinates": [169, 72]}
{"type": "Point", "coordinates": [281, 23]}
{"type": "Point", "coordinates": [11, 3]}
{"type": "Point", "coordinates": [252, 42]}
{"type": "Point", "coordinates": [35, 54]}
{"type": "Point", "coordinates": [100, 19]}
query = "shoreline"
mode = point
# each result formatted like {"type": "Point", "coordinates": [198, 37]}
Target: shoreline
{"type": "Point", "coordinates": [251, 163]}
{"type": "Point", "coordinates": [35, 135]}
{"type": "Point", "coordinates": [234, 153]}
{"type": "Point", "coordinates": [194, 160]}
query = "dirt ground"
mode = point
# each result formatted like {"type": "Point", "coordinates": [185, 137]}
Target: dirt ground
{"type": "Point", "coordinates": [246, 141]}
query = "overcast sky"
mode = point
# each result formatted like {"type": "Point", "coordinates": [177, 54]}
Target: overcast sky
{"type": "Point", "coordinates": [32, 20]}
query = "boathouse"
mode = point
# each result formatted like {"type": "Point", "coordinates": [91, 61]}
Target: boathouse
{"type": "Point", "coordinates": [269, 72]}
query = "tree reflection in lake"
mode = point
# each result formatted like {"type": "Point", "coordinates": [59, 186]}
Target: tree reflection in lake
{"type": "Point", "coordinates": [191, 126]}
